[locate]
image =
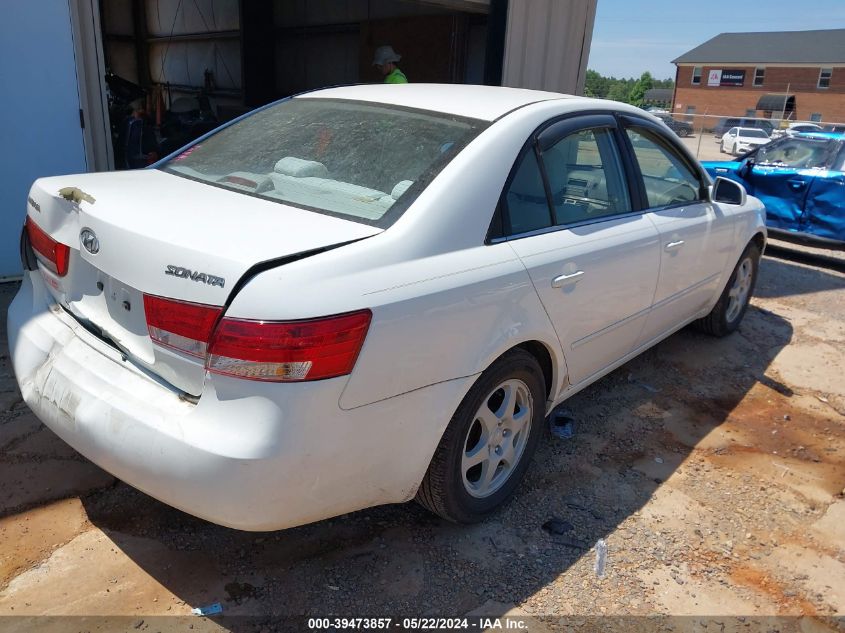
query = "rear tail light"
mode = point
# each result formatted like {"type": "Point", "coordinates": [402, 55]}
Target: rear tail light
{"type": "Point", "coordinates": [52, 254]}
{"type": "Point", "coordinates": [181, 325]}
{"type": "Point", "coordinates": [288, 351]}
{"type": "Point", "coordinates": [274, 351]}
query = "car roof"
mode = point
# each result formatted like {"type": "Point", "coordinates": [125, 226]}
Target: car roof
{"type": "Point", "coordinates": [487, 103]}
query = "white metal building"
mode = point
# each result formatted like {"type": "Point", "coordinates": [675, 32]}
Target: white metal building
{"type": "Point", "coordinates": [54, 55]}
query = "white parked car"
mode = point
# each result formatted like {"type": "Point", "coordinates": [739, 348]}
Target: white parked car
{"type": "Point", "coordinates": [366, 295]}
{"type": "Point", "coordinates": [739, 140]}
{"type": "Point", "coordinates": [802, 128]}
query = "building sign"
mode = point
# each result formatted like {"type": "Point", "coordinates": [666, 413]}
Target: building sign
{"type": "Point", "coordinates": [732, 78]}
{"type": "Point", "coordinates": [725, 77]}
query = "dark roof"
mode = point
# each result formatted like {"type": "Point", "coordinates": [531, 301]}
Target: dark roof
{"type": "Point", "coordinates": [658, 94]}
{"type": "Point", "coordinates": [791, 47]}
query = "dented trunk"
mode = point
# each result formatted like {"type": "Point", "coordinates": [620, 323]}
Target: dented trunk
{"type": "Point", "coordinates": [148, 232]}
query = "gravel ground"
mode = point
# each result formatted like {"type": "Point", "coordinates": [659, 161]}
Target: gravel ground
{"type": "Point", "coordinates": [713, 469]}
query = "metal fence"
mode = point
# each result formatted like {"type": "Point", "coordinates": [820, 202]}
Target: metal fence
{"type": "Point", "coordinates": [702, 133]}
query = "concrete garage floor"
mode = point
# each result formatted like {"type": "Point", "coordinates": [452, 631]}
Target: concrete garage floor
{"type": "Point", "coordinates": [714, 469]}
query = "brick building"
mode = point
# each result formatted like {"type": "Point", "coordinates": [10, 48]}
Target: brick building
{"type": "Point", "coordinates": [794, 75]}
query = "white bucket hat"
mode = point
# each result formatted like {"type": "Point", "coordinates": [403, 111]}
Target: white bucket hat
{"type": "Point", "coordinates": [385, 55]}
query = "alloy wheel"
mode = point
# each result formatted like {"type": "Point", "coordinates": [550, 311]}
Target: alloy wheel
{"type": "Point", "coordinates": [496, 438]}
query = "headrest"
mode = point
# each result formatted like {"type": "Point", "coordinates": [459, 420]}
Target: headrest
{"type": "Point", "coordinates": [300, 168]}
{"type": "Point", "coordinates": [401, 187]}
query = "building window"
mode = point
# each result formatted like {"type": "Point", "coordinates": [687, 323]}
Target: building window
{"type": "Point", "coordinates": [751, 112]}
{"type": "Point", "coordinates": [690, 109]}
{"type": "Point", "coordinates": [824, 77]}
{"type": "Point", "coordinates": [759, 76]}
{"type": "Point", "coordinates": [816, 117]}
{"type": "Point", "coordinates": [696, 76]}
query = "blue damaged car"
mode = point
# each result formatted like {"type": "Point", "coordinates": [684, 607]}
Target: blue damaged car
{"type": "Point", "coordinates": [801, 181]}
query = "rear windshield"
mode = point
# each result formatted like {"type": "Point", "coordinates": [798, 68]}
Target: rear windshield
{"type": "Point", "coordinates": [360, 161]}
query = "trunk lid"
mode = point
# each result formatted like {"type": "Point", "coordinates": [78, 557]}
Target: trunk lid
{"type": "Point", "coordinates": [169, 236]}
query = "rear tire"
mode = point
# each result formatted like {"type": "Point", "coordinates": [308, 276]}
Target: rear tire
{"type": "Point", "coordinates": [727, 314]}
{"type": "Point", "coordinates": [488, 444]}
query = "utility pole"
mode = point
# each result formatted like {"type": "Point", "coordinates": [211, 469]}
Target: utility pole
{"type": "Point", "coordinates": [785, 100]}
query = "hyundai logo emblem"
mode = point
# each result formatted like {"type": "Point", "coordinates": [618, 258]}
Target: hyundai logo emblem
{"type": "Point", "coordinates": [89, 241]}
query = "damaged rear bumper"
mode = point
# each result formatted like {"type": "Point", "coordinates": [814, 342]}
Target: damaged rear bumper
{"type": "Point", "coordinates": [248, 455]}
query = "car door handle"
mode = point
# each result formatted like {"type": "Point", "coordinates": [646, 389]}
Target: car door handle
{"type": "Point", "coordinates": [797, 185]}
{"type": "Point", "coordinates": [564, 280]}
{"type": "Point", "coordinates": [673, 246]}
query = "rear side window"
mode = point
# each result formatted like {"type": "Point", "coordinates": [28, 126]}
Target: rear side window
{"type": "Point", "coordinates": [525, 200]}
{"type": "Point", "coordinates": [666, 177]}
{"type": "Point", "coordinates": [585, 177]}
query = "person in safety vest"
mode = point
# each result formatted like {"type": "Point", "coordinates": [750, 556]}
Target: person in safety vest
{"type": "Point", "coordinates": [385, 60]}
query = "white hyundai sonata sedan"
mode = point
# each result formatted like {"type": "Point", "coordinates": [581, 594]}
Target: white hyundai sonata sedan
{"type": "Point", "coordinates": [366, 295]}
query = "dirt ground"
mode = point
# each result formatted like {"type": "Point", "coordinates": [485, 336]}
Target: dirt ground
{"type": "Point", "coordinates": [705, 147]}
{"type": "Point", "coordinates": [713, 469]}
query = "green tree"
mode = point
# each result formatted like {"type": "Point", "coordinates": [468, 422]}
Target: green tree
{"type": "Point", "coordinates": [637, 95]}
{"type": "Point", "coordinates": [626, 90]}
{"type": "Point", "coordinates": [619, 91]}
{"type": "Point", "coordinates": [595, 85]}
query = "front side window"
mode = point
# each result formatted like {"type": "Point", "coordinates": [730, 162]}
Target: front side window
{"type": "Point", "coordinates": [586, 177]}
{"type": "Point", "coordinates": [824, 77]}
{"type": "Point", "coordinates": [666, 177]}
{"type": "Point", "coordinates": [696, 76]}
{"type": "Point", "coordinates": [796, 153]}
{"type": "Point", "coordinates": [360, 161]}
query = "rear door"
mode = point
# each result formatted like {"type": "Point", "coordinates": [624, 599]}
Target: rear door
{"type": "Point", "coordinates": [695, 237]}
{"type": "Point", "coordinates": [592, 257]}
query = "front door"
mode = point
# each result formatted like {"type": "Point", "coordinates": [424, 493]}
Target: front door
{"type": "Point", "coordinates": [592, 258]}
{"type": "Point", "coordinates": [695, 237]}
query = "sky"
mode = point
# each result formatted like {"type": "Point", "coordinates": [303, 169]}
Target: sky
{"type": "Point", "coordinates": [632, 36]}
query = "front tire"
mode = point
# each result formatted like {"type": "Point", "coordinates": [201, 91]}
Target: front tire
{"type": "Point", "coordinates": [488, 444]}
{"type": "Point", "coordinates": [727, 314]}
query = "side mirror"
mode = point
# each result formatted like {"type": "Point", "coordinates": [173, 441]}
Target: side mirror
{"type": "Point", "coordinates": [746, 167]}
{"type": "Point", "coordinates": [728, 192]}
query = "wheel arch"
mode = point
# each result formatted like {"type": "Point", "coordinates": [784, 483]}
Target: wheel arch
{"type": "Point", "coordinates": [544, 358]}
{"type": "Point", "coordinates": [548, 356]}
{"type": "Point", "coordinates": [760, 240]}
